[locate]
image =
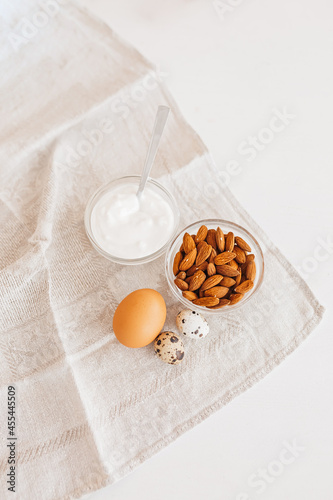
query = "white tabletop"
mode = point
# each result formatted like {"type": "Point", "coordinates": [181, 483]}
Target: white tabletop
{"type": "Point", "coordinates": [232, 67]}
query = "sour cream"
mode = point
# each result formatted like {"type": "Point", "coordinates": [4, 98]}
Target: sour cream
{"type": "Point", "coordinates": [129, 228]}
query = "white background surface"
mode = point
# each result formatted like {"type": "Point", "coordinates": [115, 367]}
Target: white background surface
{"type": "Point", "coordinates": [227, 75]}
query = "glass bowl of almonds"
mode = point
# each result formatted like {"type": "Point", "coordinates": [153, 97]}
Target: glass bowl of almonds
{"type": "Point", "coordinates": [214, 266]}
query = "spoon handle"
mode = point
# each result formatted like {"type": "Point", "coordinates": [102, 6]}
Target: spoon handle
{"type": "Point", "coordinates": [160, 121]}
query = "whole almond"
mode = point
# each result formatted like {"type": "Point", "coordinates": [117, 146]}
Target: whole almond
{"type": "Point", "coordinates": [242, 244]}
{"type": "Point", "coordinates": [203, 253]}
{"type": "Point", "coordinates": [244, 287]}
{"type": "Point", "coordinates": [243, 267]}
{"type": "Point", "coordinates": [227, 270]}
{"type": "Point", "coordinates": [196, 281]}
{"type": "Point", "coordinates": [200, 244]}
{"type": "Point", "coordinates": [195, 268]}
{"type": "Point", "coordinates": [207, 301]}
{"type": "Point", "coordinates": [188, 243]}
{"type": "Point", "coordinates": [250, 272]}
{"type": "Point", "coordinates": [222, 303]}
{"type": "Point", "coordinates": [228, 282]}
{"type": "Point", "coordinates": [211, 237]}
{"type": "Point", "coordinates": [233, 264]}
{"type": "Point", "coordinates": [239, 277]}
{"type": "Point", "coordinates": [188, 260]}
{"type": "Point", "coordinates": [220, 240]}
{"type": "Point", "coordinates": [182, 285]}
{"type": "Point", "coordinates": [240, 255]}
{"type": "Point", "coordinates": [224, 258]}
{"type": "Point", "coordinates": [177, 260]}
{"type": "Point", "coordinates": [235, 297]}
{"type": "Point", "coordinates": [229, 242]}
{"type": "Point", "coordinates": [217, 291]}
{"type": "Point", "coordinates": [212, 256]}
{"type": "Point", "coordinates": [181, 275]}
{"type": "Point", "coordinates": [189, 295]}
{"type": "Point", "coordinates": [250, 257]}
{"type": "Point", "coordinates": [188, 279]}
{"type": "Point", "coordinates": [201, 234]}
{"type": "Point", "coordinates": [211, 269]}
{"type": "Point", "coordinates": [210, 282]}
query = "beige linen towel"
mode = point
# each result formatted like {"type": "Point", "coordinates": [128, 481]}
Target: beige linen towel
{"type": "Point", "coordinates": [77, 108]}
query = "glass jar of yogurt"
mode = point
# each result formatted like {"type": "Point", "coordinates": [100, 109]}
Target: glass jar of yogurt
{"type": "Point", "coordinates": [129, 230]}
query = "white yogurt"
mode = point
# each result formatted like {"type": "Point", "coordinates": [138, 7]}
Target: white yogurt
{"type": "Point", "coordinates": [129, 228]}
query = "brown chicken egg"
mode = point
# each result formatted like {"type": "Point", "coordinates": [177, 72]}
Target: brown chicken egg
{"type": "Point", "coordinates": [139, 318]}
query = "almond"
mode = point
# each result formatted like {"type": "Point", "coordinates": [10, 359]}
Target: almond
{"type": "Point", "coordinates": [233, 264]}
{"type": "Point", "coordinates": [211, 237]}
{"type": "Point", "coordinates": [197, 280]}
{"type": "Point", "coordinates": [200, 244]}
{"type": "Point", "coordinates": [211, 269]}
{"type": "Point", "coordinates": [207, 301]}
{"type": "Point", "coordinates": [228, 282]}
{"type": "Point", "coordinates": [222, 303]}
{"type": "Point", "coordinates": [177, 260]}
{"type": "Point", "coordinates": [210, 282]}
{"type": "Point", "coordinates": [220, 240]}
{"type": "Point", "coordinates": [188, 260]}
{"type": "Point", "coordinates": [250, 272]}
{"type": "Point", "coordinates": [250, 257]}
{"type": "Point", "coordinates": [224, 258]}
{"type": "Point", "coordinates": [227, 270]}
{"type": "Point", "coordinates": [243, 267]}
{"type": "Point", "coordinates": [244, 287]}
{"type": "Point", "coordinates": [189, 295]}
{"type": "Point", "coordinates": [182, 285]}
{"type": "Point", "coordinates": [239, 277]}
{"type": "Point", "coordinates": [229, 242]}
{"type": "Point", "coordinates": [201, 234]}
{"type": "Point", "coordinates": [242, 244]}
{"type": "Point", "coordinates": [195, 268]}
{"type": "Point", "coordinates": [217, 291]}
{"type": "Point", "coordinates": [240, 255]}
{"type": "Point", "coordinates": [203, 253]}
{"type": "Point", "coordinates": [188, 279]}
{"type": "Point", "coordinates": [188, 243]}
{"type": "Point", "coordinates": [181, 275]}
{"type": "Point", "coordinates": [235, 297]}
{"type": "Point", "coordinates": [212, 256]}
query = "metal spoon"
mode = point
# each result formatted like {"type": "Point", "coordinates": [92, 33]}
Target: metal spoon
{"type": "Point", "coordinates": [160, 121]}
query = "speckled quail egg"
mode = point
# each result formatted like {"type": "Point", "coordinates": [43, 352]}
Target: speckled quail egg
{"type": "Point", "coordinates": [169, 348]}
{"type": "Point", "coordinates": [192, 324]}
